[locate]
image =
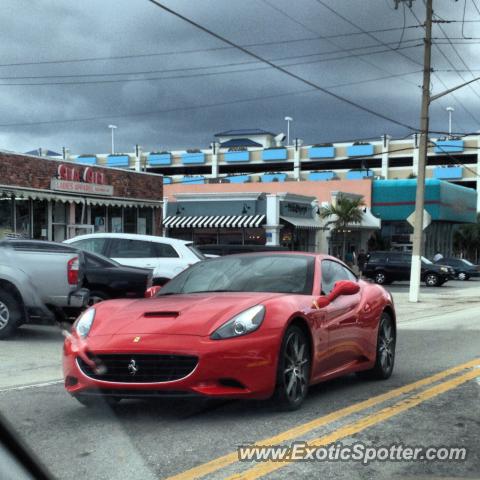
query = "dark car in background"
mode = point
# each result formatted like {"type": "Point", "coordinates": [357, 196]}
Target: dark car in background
{"type": "Point", "coordinates": [388, 267]}
{"type": "Point", "coordinates": [226, 249]}
{"type": "Point", "coordinates": [464, 269]}
{"type": "Point", "coordinates": [106, 279]}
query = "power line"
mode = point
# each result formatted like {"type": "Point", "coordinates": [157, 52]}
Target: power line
{"type": "Point", "coordinates": [335, 12]}
{"type": "Point", "coordinates": [440, 79]}
{"type": "Point", "coordinates": [197, 50]}
{"type": "Point", "coordinates": [268, 97]}
{"type": "Point", "coordinates": [279, 68]}
{"type": "Point", "coordinates": [204, 67]}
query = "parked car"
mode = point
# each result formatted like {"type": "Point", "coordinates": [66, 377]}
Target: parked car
{"type": "Point", "coordinates": [167, 257]}
{"type": "Point", "coordinates": [227, 249]}
{"type": "Point", "coordinates": [106, 279]}
{"type": "Point", "coordinates": [388, 267]}
{"type": "Point", "coordinates": [240, 326]}
{"type": "Point", "coordinates": [38, 281]}
{"type": "Point", "coordinates": [464, 269]}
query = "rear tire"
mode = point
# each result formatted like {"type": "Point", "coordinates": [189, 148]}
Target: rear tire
{"type": "Point", "coordinates": [293, 371]}
{"type": "Point", "coordinates": [432, 280]}
{"type": "Point", "coordinates": [11, 314]}
{"type": "Point", "coordinates": [463, 276]}
{"type": "Point", "coordinates": [380, 278]}
{"type": "Point", "coordinates": [385, 357]}
{"type": "Point", "coordinates": [97, 296]}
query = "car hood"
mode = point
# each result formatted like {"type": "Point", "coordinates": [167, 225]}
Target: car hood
{"type": "Point", "coordinates": [193, 314]}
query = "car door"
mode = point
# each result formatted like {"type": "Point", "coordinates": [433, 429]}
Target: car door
{"type": "Point", "coordinates": [341, 318]}
{"type": "Point", "coordinates": [134, 253]}
{"type": "Point", "coordinates": [395, 266]}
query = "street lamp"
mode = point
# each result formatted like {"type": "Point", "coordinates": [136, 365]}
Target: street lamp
{"type": "Point", "coordinates": [112, 128]}
{"type": "Point", "coordinates": [450, 110]}
{"type": "Point", "coordinates": [288, 120]}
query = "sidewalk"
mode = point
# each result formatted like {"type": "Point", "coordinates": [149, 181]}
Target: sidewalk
{"type": "Point", "coordinates": [453, 297]}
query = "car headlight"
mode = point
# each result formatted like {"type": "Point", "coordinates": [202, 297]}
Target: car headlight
{"type": "Point", "coordinates": [444, 269]}
{"type": "Point", "coordinates": [84, 322]}
{"type": "Point", "coordinates": [242, 324]}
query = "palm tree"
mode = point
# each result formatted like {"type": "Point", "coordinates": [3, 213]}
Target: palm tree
{"type": "Point", "coordinates": [345, 212]}
{"type": "Point", "coordinates": [466, 240]}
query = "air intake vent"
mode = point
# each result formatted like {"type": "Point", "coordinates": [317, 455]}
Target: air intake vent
{"type": "Point", "coordinates": [161, 314]}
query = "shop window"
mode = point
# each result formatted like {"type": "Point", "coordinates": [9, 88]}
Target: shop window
{"type": "Point", "coordinates": [80, 214]}
{"type": "Point", "coordinates": [98, 214]}
{"type": "Point", "coordinates": [40, 222]}
{"type": "Point", "coordinates": [145, 221]}
{"type": "Point", "coordinates": [115, 221]}
{"type": "Point", "coordinates": [6, 216]}
{"type": "Point", "coordinates": [206, 236]}
{"type": "Point", "coordinates": [59, 221]}
{"type": "Point", "coordinates": [130, 220]}
{"type": "Point", "coordinates": [233, 237]}
{"type": "Point", "coordinates": [255, 236]}
{"type": "Point", "coordinates": [22, 217]}
{"type": "Point", "coordinates": [183, 234]}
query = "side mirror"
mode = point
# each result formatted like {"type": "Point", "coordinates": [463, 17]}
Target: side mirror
{"type": "Point", "coordinates": [152, 291]}
{"type": "Point", "coordinates": [321, 302]}
{"type": "Point", "coordinates": [343, 287]}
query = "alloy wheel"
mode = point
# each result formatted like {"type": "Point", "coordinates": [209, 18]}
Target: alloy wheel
{"type": "Point", "coordinates": [380, 278]}
{"type": "Point", "coordinates": [296, 367]}
{"type": "Point", "coordinates": [431, 280]}
{"type": "Point", "coordinates": [4, 315]}
{"type": "Point", "coordinates": [386, 346]}
{"type": "Point", "coordinates": [462, 276]}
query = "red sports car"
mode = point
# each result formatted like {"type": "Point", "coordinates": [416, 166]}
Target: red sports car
{"type": "Point", "coordinates": [241, 326]}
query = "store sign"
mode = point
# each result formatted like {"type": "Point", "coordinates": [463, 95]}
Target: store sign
{"type": "Point", "coordinates": [81, 180]}
{"type": "Point", "coordinates": [291, 209]}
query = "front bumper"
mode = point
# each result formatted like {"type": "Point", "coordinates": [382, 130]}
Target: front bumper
{"type": "Point", "coordinates": [235, 368]}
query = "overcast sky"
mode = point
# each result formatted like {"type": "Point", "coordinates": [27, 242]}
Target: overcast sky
{"type": "Point", "coordinates": [161, 113]}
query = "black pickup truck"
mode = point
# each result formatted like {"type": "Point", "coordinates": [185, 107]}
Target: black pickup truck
{"type": "Point", "coordinates": [387, 267]}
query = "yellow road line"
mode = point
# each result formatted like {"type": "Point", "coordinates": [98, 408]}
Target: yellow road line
{"type": "Point", "coordinates": [348, 430]}
{"type": "Point", "coordinates": [225, 460]}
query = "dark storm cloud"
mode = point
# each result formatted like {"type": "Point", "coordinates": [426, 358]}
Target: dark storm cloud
{"type": "Point", "coordinates": [44, 30]}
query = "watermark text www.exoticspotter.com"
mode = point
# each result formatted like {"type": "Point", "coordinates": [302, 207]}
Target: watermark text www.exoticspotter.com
{"type": "Point", "coordinates": [356, 452]}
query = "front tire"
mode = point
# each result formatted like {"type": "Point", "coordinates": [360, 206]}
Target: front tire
{"type": "Point", "coordinates": [11, 314]}
{"type": "Point", "coordinates": [380, 278]}
{"type": "Point", "coordinates": [432, 280]}
{"type": "Point", "coordinates": [293, 372]}
{"type": "Point", "coordinates": [385, 357]}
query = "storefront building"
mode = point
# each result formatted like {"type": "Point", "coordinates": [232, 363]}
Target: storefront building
{"type": "Point", "coordinates": [44, 198]}
{"type": "Point", "coordinates": [249, 218]}
{"type": "Point", "coordinates": [448, 205]}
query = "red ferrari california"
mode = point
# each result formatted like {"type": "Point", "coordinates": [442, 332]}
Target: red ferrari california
{"type": "Point", "coordinates": [242, 326]}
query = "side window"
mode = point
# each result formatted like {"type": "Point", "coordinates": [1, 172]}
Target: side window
{"type": "Point", "coordinates": [395, 257]}
{"type": "Point", "coordinates": [163, 250]}
{"type": "Point", "coordinates": [124, 248]}
{"type": "Point", "coordinates": [95, 245]}
{"type": "Point", "coordinates": [332, 272]}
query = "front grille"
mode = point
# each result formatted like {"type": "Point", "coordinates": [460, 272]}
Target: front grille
{"type": "Point", "coordinates": [140, 368]}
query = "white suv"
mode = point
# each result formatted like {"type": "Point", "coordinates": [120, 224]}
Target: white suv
{"type": "Point", "coordinates": [166, 256]}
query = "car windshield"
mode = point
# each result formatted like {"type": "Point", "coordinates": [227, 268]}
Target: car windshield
{"type": "Point", "coordinates": [246, 273]}
{"type": "Point", "coordinates": [426, 260]}
{"type": "Point", "coordinates": [470, 264]}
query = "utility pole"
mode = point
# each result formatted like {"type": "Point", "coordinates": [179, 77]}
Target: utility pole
{"type": "Point", "coordinates": [422, 160]}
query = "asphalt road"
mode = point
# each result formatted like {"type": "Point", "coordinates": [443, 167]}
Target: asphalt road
{"type": "Point", "coordinates": [141, 440]}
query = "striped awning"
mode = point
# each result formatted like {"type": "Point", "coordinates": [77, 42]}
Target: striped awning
{"type": "Point", "coordinates": [212, 221]}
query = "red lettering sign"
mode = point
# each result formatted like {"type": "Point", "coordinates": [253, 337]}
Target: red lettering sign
{"type": "Point", "coordinates": [73, 174]}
